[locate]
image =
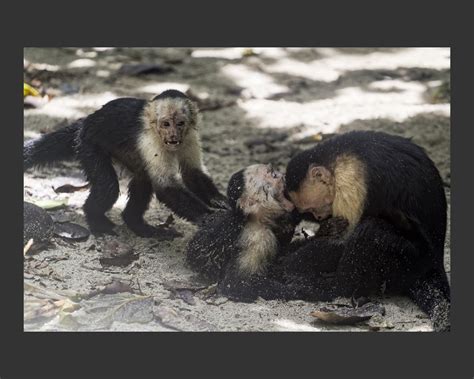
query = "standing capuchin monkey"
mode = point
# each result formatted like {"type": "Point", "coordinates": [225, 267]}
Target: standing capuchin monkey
{"type": "Point", "coordinates": [157, 141]}
{"type": "Point", "coordinates": [238, 248]}
{"type": "Point", "coordinates": [392, 196]}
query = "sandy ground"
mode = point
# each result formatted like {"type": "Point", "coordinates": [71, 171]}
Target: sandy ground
{"type": "Point", "coordinates": [259, 106]}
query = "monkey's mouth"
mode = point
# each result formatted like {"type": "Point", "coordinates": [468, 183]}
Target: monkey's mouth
{"type": "Point", "coordinates": [173, 143]}
{"type": "Point", "coordinates": [286, 204]}
{"type": "Point", "coordinates": [322, 213]}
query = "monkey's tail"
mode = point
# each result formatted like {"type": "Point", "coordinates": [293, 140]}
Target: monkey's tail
{"type": "Point", "coordinates": [52, 147]}
{"type": "Point", "coordinates": [431, 293]}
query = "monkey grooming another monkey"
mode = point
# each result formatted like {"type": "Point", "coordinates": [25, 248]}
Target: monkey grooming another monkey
{"type": "Point", "coordinates": [239, 247]}
{"type": "Point", "coordinates": [392, 195]}
{"type": "Point", "coordinates": [156, 140]}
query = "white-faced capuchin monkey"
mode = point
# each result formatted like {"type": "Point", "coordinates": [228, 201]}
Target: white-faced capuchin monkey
{"type": "Point", "coordinates": [238, 248]}
{"type": "Point", "coordinates": [392, 195]}
{"type": "Point", "coordinates": [157, 141]}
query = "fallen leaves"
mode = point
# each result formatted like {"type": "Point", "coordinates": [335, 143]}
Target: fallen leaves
{"type": "Point", "coordinates": [71, 231]}
{"type": "Point", "coordinates": [116, 253]}
{"type": "Point", "coordinates": [69, 188]}
{"type": "Point", "coordinates": [41, 305]}
{"type": "Point", "coordinates": [346, 315]}
{"type": "Point", "coordinates": [50, 205]}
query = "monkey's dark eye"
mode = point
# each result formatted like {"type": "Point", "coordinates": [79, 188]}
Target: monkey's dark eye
{"type": "Point", "coordinates": [273, 173]}
{"type": "Point", "coordinates": [181, 123]}
{"type": "Point", "coordinates": [166, 123]}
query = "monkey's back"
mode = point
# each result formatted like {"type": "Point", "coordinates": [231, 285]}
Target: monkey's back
{"type": "Point", "coordinates": [402, 181]}
{"type": "Point", "coordinates": [114, 129]}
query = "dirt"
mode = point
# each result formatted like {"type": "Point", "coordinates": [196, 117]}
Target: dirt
{"type": "Point", "coordinates": [260, 105]}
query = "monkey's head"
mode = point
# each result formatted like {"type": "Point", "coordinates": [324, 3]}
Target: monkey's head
{"type": "Point", "coordinates": [172, 115]}
{"type": "Point", "coordinates": [258, 191]}
{"type": "Point", "coordinates": [311, 190]}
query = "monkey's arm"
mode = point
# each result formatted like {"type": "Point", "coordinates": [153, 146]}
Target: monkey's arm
{"type": "Point", "coordinates": [248, 288]}
{"type": "Point", "coordinates": [203, 187]}
{"type": "Point", "coordinates": [311, 258]}
{"type": "Point", "coordinates": [181, 201]}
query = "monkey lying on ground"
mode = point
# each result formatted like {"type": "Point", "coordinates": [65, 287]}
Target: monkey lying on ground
{"type": "Point", "coordinates": [392, 195]}
{"type": "Point", "coordinates": [157, 141]}
{"type": "Point", "coordinates": [238, 248]}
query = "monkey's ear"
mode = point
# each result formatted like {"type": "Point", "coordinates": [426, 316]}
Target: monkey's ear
{"type": "Point", "coordinates": [319, 173]}
{"type": "Point", "coordinates": [247, 204]}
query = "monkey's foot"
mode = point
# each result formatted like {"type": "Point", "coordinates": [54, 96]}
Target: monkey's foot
{"type": "Point", "coordinates": [143, 229]}
{"type": "Point", "coordinates": [101, 225]}
{"type": "Point", "coordinates": [147, 231]}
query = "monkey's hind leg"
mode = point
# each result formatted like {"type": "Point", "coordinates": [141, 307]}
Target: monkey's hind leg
{"type": "Point", "coordinates": [140, 192]}
{"type": "Point", "coordinates": [104, 190]}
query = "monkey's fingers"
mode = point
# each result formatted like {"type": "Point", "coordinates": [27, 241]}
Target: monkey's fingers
{"type": "Point", "coordinates": [161, 233]}
{"type": "Point", "coordinates": [220, 203]}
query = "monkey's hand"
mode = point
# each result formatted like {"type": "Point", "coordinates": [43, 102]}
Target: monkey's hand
{"type": "Point", "coordinates": [161, 233]}
{"type": "Point", "coordinates": [332, 227]}
{"type": "Point", "coordinates": [219, 202]}
{"type": "Point", "coordinates": [101, 225]}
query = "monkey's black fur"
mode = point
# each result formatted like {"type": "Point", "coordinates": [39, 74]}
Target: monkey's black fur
{"type": "Point", "coordinates": [111, 134]}
{"type": "Point", "coordinates": [374, 259]}
{"type": "Point", "coordinates": [236, 188]}
{"type": "Point", "coordinates": [403, 184]}
{"type": "Point", "coordinates": [214, 251]}
{"type": "Point", "coordinates": [399, 239]}
{"type": "Point", "coordinates": [171, 94]}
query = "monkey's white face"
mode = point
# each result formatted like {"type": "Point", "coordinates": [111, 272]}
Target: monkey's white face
{"type": "Point", "coordinates": [173, 120]}
{"type": "Point", "coordinates": [264, 191]}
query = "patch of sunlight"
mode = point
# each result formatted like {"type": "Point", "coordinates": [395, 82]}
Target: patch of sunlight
{"type": "Point", "coordinates": [103, 48]}
{"type": "Point", "coordinates": [434, 83]}
{"type": "Point", "coordinates": [416, 88]}
{"type": "Point", "coordinates": [72, 106]}
{"type": "Point", "coordinates": [226, 53]}
{"type": "Point", "coordinates": [86, 54]}
{"type": "Point", "coordinates": [103, 73]}
{"type": "Point", "coordinates": [316, 70]}
{"type": "Point", "coordinates": [157, 88]}
{"type": "Point", "coordinates": [332, 65]}
{"type": "Point", "coordinates": [82, 63]}
{"type": "Point", "coordinates": [350, 104]}
{"type": "Point", "coordinates": [238, 52]}
{"type": "Point", "coordinates": [420, 328]}
{"type": "Point", "coordinates": [271, 52]}
{"type": "Point", "coordinates": [256, 84]}
{"type": "Point", "coordinates": [30, 134]}
{"type": "Point", "coordinates": [284, 325]}
{"type": "Point", "coordinates": [44, 66]}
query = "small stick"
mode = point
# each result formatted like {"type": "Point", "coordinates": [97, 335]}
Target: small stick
{"type": "Point", "coordinates": [27, 246]}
